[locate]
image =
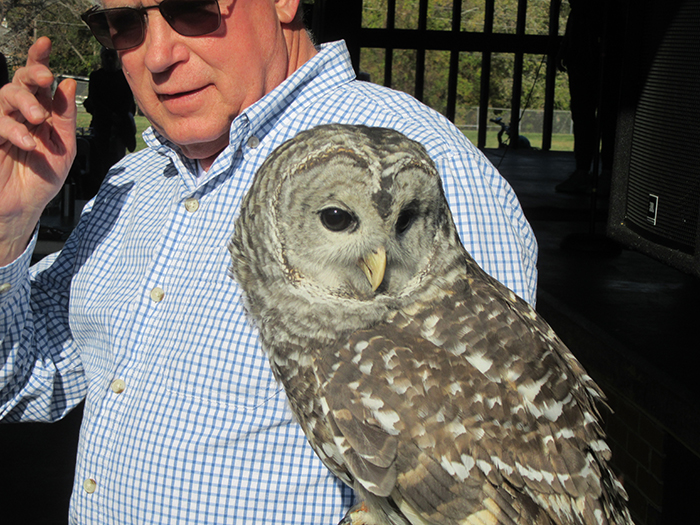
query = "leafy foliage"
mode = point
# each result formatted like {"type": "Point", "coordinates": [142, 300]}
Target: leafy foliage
{"type": "Point", "coordinates": [75, 52]}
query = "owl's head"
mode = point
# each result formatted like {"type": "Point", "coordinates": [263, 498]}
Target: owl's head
{"type": "Point", "coordinates": [344, 215]}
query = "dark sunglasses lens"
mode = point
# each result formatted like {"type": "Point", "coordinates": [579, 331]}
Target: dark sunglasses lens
{"type": "Point", "coordinates": [121, 28]}
{"type": "Point", "coordinates": [124, 27]}
{"type": "Point", "coordinates": [192, 17]}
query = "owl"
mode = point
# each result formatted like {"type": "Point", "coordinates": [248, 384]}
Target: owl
{"type": "Point", "coordinates": [430, 388]}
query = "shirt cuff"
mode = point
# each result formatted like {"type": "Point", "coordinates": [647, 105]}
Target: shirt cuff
{"type": "Point", "coordinates": [12, 275]}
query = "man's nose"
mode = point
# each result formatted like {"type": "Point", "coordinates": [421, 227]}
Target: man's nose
{"type": "Point", "coordinates": [162, 45]}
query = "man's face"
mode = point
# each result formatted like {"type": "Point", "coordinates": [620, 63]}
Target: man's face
{"type": "Point", "coordinates": [191, 88]}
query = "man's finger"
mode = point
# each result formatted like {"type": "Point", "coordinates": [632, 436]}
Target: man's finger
{"type": "Point", "coordinates": [20, 103]}
{"type": "Point", "coordinates": [36, 75]}
{"type": "Point", "coordinates": [64, 108]}
{"type": "Point", "coordinates": [39, 52]}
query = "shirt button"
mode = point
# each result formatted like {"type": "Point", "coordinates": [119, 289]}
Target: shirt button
{"type": "Point", "coordinates": [253, 142]}
{"type": "Point", "coordinates": [157, 294]}
{"type": "Point", "coordinates": [5, 287]}
{"type": "Point", "coordinates": [89, 485]}
{"type": "Point", "coordinates": [191, 205]}
{"type": "Point", "coordinates": [118, 386]}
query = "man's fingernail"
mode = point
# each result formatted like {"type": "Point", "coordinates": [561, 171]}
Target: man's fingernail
{"type": "Point", "coordinates": [45, 76]}
{"type": "Point", "coordinates": [37, 113]}
{"type": "Point", "coordinates": [28, 141]}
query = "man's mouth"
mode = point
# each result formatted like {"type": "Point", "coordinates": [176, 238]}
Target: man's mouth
{"type": "Point", "coordinates": [179, 95]}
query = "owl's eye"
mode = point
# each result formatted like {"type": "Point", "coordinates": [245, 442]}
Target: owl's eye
{"type": "Point", "coordinates": [405, 220]}
{"type": "Point", "coordinates": [337, 220]}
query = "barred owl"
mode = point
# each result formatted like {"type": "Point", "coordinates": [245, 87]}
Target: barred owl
{"type": "Point", "coordinates": [419, 380]}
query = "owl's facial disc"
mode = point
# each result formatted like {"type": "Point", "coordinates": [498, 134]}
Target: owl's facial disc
{"type": "Point", "coordinates": [358, 225]}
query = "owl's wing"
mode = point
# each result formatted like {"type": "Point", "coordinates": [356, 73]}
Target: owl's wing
{"type": "Point", "coordinates": [424, 426]}
{"type": "Point", "coordinates": [382, 409]}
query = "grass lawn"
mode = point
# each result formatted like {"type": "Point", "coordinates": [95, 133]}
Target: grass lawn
{"type": "Point", "coordinates": [559, 142]}
{"type": "Point", "coordinates": [141, 124]}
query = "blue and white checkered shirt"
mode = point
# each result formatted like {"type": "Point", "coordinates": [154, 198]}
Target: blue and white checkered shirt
{"type": "Point", "coordinates": [183, 420]}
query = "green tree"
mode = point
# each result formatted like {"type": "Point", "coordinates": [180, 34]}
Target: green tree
{"type": "Point", "coordinates": [75, 52]}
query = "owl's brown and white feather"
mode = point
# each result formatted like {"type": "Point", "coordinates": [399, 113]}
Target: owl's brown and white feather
{"type": "Point", "coordinates": [419, 380]}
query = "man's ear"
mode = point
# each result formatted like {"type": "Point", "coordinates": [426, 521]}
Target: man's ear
{"type": "Point", "coordinates": [287, 10]}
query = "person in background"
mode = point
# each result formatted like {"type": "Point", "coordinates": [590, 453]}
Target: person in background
{"type": "Point", "coordinates": [138, 315]}
{"type": "Point", "coordinates": [590, 55]}
{"type": "Point", "coordinates": [111, 104]}
{"type": "Point", "coordinates": [4, 72]}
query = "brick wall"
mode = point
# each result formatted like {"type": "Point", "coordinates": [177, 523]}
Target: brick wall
{"type": "Point", "coordinates": [637, 444]}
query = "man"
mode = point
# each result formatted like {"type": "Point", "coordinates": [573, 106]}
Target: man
{"type": "Point", "coordinates": [183, 420]}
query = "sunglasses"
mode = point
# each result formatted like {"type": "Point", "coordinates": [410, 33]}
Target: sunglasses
{"type": "Point", "coordinates": [125, 27]}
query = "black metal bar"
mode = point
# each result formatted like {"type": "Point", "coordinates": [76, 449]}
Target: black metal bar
{"type": "Point", "coordinates": [389, 55]}
{"type": "Point", "coordinates": [420, 51]}
{"type": "Point", "coordinates": [456, 16]}
{"type": "Point", "coordinates": [388, 65]}
{"type": "Point", "coordinates": [485, 76]}
{"type": "Point", "coordinates": [390, 14]}
{"type": "Point", "coordinates": [453, 78]}
{"type": "Point", "coordinates": [551, 78]}
{"type": "Point", "coordinates": [517, 93]}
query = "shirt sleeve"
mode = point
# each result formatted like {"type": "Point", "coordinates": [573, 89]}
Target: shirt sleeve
{"type": "Point", "coordinates": [490, 220]}
{"type": "Point", "coordinates": [41, 376]}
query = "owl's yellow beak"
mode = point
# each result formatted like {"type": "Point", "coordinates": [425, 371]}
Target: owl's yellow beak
{"type": "Point", "coordinates": [374, 266]}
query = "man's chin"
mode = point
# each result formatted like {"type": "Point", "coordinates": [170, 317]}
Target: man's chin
{"type": "Point", "coordinates": [198, 146]}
